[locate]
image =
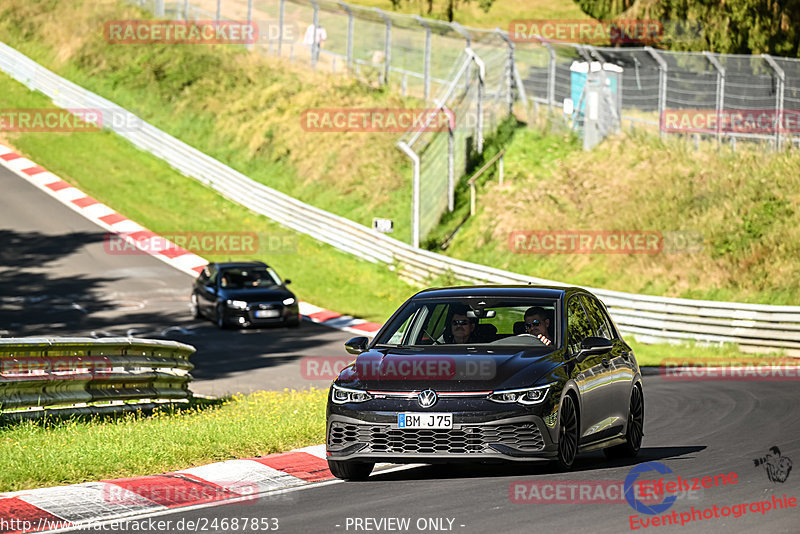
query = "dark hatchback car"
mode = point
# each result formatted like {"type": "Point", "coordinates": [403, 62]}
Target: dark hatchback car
{"type": "Point", "coordinates": [486, 373]}
{"type": "Point", "coordinates": [244, 294]}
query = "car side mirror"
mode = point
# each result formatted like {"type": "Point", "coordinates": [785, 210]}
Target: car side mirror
{"type": "Point", "coordinates": [591, 346]}
{"type": "Point", "coordinates": [357, 345]}
{"type": "Point", "coordinates": [287, 282]}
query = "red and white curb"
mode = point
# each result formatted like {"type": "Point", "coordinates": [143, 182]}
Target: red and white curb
{"type": "Point", "coordinates": [92, 503]}
{"type": "Point", "coordinates": [134, 233]}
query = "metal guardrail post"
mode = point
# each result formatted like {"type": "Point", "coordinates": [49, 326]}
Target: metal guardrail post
{"type": "Point", "coordinates": [779, 95]}
{"type": "Point", "coordinates": [662, 88]}
{"type": "Point", "coordinates": [315, 41]}
{"type": "Point", "coordinates": [387, 45]}
{"type": "Point", "coordinates": [281, 11]}
{"type": "Point", "coordinates": [720, 100]}
{"type": "Point", "coordinates": [350, 23]}
{"type": "Point", "coordinates": [249, 11]}
{"type": "Point", "coordinates": [185, 9]}
{"type": "Point", "coordinates": [219, 10]}
{"type": "Point", "coordinates": [158, 10]}
{"type": "Point", "coordinates": [414, 193]}
{"type": "Point", "coordinates": [426, 76]}
{"type": "Point", "coordinates": [551, 75]}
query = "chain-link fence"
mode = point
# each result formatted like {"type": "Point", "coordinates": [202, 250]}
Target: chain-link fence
{"type": "Point", "coordinates": [716, 96]}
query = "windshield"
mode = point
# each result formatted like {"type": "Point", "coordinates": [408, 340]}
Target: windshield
{"type": "Point", "coordinates": [478, 320]}
{"type": "Point", "coordinates": [249, 277]}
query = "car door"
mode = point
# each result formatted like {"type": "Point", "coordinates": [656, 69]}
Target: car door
{"type": "Point", "coordinates": [207, 290]}
{"type": "Point", "coordinates": [588, 374]}
{"type": "Point", "coordinates": [618, 369]}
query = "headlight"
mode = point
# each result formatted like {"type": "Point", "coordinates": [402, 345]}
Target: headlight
{"type": "Point", "coordinates": [341, 395]}
{"type": "Point", "coordinates": [522, 396]}
{"type": "Point", "coordinates": [238, 304]}
{"type": "Point", "coordinates": [288, 302]}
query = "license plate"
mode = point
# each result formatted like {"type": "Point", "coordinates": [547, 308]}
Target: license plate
{"type": "Point", "coordinates": [266, 314]}
{"type": "Point", "coordinates": [424, 420]}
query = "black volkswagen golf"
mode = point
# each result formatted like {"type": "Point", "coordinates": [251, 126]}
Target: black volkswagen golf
{"type": "Point", "coordinates": [486, 373]}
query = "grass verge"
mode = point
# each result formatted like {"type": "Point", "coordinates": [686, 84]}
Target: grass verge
{"type": "Point", "coordinates": [52, 451]}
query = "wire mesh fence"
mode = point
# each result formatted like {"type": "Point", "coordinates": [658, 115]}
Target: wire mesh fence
{"type": "Point", "coordinates": [478, 75]}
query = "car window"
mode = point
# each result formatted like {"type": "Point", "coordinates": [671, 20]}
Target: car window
{"type": "Point", "coordinates": [577, 324]}
{"type": "Point", "coordinates": [495, 320]}
{"type": "Point", "coordinates": [601, 325]}
{"type": "Point", "coordinates": [249, 278]}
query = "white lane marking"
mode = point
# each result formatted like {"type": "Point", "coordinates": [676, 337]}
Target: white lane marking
{"type": "Point", "coordinates": [246, 477]}
{"type": "Point", "coordinates": [89, 501]}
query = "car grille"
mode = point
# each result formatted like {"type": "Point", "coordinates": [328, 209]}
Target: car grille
{"type": "Point", "coordinates": [470, 439]}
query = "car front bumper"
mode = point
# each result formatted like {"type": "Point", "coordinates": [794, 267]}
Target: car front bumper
{"type": "Point", "coordinates": [475, 436]}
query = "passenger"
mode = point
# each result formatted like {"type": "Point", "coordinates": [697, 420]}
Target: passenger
{"type": "Point", "coordinates": [538, 324]}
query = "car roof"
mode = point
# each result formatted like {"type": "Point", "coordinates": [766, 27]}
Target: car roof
{"type": "Point", "coordinates": [238, 264]}
{"type": "Point", "coordinates": [535, 291]}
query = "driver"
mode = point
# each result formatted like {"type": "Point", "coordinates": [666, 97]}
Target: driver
{"type": "Point", "coordinates": [461, 326]}
{"type": "Point", "coordinates": [538, 324]}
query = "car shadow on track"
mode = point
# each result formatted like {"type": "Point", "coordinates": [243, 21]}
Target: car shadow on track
{"type": "Point", "coordinates": [588, 462]}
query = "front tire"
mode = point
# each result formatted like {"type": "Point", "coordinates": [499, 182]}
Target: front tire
{"type": "Point", "coordinates": [221, 324]}
{"type": "Point", "coordinates": [635, 431]}
{"type": "Point", "coordinates": [195, 307]}
{"type": "Point", "coordinates": [567, 434]}
{"type": "Point", "coordinates": [350, 470]}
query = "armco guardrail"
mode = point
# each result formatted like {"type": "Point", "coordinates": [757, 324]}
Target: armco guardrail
{"type": "Point", "coordinates": [754, 327]}
{"type": "Point", "coordinates": [41, 372]}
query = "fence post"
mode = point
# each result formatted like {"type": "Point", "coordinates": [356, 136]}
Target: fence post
{"type": "Point", "coordinates": [280, 26]}
{"type": "Point", "coordinates": [159, 8]}
{"type": "Point", "coordinates": [551, 76]}
{"type": "Point", "coordinates": [720, 101]}
{"type": "Point", "coordinates": [451, 162]}
{"type": "Point", "coordinates": [662, 88]}
{"type": "Point", "coordinates": [185, 9]}
{"type": "Point", "coordinates": [349, 32]}
{"type": "Point", "coordinates": [219, 10]}
{"type": "Point", "coordinates": [387, 45]}
{"type": "Point", "coordinates": [414, 193]}
{"type": "Point", "coordinates": [778, 98]}
{"type": "Point", "coordinates": [315, 41]}
{"type": "Point", "coordinates": [479, 121]}
{"type": "Point", "coordinates": [463, 31]}
{"type": "Point", "coordinates": [426, 76]}
{"type": "Point", "coordinates": [510, 66]}
{"type": "Point", "coordinates": [250, 19]}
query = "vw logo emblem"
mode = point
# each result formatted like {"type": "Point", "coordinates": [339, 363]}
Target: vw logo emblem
{"type": "Point", "coordinates": [427, 398]}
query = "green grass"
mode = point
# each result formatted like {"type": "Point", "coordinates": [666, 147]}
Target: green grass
{"type": "Point", "coordinates": [741, 206]}
{"type": "Point", "coordinates": [53, 451]}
